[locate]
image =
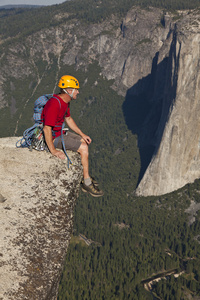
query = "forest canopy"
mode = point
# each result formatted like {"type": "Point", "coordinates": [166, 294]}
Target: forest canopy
{"type": "Point", "coordinates": [22, 22]}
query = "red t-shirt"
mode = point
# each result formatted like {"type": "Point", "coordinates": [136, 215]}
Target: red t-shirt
{"type": "Point", "coordinates": [54, 113]}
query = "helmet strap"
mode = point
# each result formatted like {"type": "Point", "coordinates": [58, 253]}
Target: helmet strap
{"type": "Point", "coordinates": [71, 95]}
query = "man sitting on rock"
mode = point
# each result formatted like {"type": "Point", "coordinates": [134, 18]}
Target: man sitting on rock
{"type": "Point", "coordinates": [55, 112]}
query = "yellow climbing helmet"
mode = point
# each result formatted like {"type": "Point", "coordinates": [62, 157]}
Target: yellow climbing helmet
{"type": "Point", "coordinates": [68, 81]}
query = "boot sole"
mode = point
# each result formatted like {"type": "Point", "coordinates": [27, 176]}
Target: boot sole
{"type": "Point", "coordinates": [94, 195]}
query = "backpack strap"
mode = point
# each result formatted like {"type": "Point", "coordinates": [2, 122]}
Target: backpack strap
{"type": "Point", "coordinates": [64, 148]}
{"type": "Point", "coordinates": [57, 99]}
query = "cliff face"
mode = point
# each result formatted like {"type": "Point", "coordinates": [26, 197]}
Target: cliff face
{"type": "Point", "coordinates": [124, 50]}
{"type": "Point", "coordinates": [176, 159]}
{"type": "Point", "coordinates": [152, 58]}
{"type": "Point", "coordinates": [37, 198]}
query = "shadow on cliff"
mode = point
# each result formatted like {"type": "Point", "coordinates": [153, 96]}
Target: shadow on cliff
{"type": "Point", "coordinates": [148, 104]}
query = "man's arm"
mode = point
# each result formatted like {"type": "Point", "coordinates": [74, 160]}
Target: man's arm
{"type": "Point", "coordinates": [72, 125]}
{"type": "Point", "coordinates": [49, 140]}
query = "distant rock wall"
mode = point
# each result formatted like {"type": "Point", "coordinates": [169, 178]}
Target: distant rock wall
{"type": "Point", "coordinates": [176, 160]}
{"type": "Point", "coordinates": [37, 197]}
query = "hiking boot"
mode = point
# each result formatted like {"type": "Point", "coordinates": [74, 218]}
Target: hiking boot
{"type": "Point", "coordinates": [93, 181]}
{"type": "Point", "coordinates": [91, 189]}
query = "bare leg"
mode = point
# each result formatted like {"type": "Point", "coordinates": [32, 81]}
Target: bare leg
{"type": "Point", "coordinates": [83, 150]}
{"type": "Point", "coordinates": [87, 184]}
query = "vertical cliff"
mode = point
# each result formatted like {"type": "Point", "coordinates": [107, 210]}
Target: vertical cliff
{"type": "Point", "coordinates": [37, 197]}
{"type": "Point", "coordinates": [176, 159]}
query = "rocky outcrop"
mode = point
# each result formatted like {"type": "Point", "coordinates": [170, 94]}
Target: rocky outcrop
{"type": "Point", "coordinates": [37, 198]}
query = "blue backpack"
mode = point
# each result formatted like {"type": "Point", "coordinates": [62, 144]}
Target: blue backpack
{"type": "Point", "coordinates": [39, 105]}
{"type": "Point", "coordinates": [28, 133]}
{"type": "Point", "coordinates": [33, 137]}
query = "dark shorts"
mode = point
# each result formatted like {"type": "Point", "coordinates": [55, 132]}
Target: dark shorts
{"type": "Point", "coordinates": [72, 141]}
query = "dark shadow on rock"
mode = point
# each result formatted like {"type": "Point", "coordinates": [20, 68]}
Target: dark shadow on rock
{"type": "Point", "coordinates": [148, 104]}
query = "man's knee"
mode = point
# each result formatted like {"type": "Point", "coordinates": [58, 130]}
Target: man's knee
{"type": "Point", "coordinates": [83, 149]}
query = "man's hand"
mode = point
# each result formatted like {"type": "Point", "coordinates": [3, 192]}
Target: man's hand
{"type": "Point", "coordinates": [59, 154]}
{"type": "Point", "coordinates": [87, 139]}
{"type": "Point", "coordinates": [72, 125]}
{"type": "Point", "coordinates": [50, 144]}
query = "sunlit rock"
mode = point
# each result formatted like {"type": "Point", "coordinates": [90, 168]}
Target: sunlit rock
{"type": "Point", "coordinates": [37, 197]}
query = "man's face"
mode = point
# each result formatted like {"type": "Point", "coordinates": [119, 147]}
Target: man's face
{"type": "Point", "coordinates": [75, 93]}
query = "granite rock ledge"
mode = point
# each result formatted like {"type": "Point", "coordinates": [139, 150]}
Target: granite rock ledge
{"type": "Point", "coordinates": [37, 197]}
